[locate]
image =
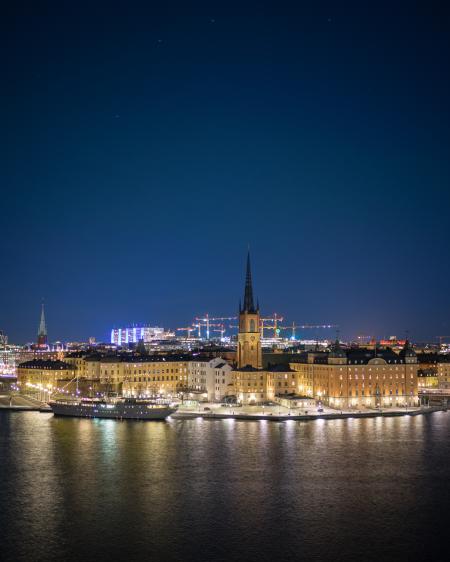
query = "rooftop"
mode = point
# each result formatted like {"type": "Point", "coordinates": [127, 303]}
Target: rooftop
{"type": "Point", "coordinates": [46, 364]}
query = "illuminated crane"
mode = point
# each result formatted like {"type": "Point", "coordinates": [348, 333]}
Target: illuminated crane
{"type": "Point", "coordinates": [209, 322]}
{"type": "Point", "coordinates": [189, 329]}
{"type": "Point", "coordinates": [275, 319]}
{"type": "Point", "coordinates": [220, 329]}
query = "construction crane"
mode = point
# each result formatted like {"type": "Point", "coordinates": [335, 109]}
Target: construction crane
{"type": "Point", "coordinates": [221, 329]}
{"type": "Point", "coordinates": [209, 322]}
{"type": "Point", "coordinates": [189, 329]}
{"type": "Point", "coordinates": [307, 327]}
{"type": "Point", "coordinates": [275, 319]}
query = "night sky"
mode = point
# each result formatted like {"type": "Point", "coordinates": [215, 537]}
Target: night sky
{"type": "Point", "coordinates": [145, 150]}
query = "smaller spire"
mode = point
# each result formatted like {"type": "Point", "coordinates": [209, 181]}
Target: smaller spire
{"type": "Point", "coordinates": [42, 325]}
{"type": "Point", "coordinates": [42, 332]}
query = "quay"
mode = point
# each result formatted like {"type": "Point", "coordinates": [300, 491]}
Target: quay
{"type": "Point", "coordinates": [281, 417]}
{"type": "Point", "coordinates": [18, 403]}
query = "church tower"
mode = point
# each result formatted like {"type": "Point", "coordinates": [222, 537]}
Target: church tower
{"type": "Point", "coordinates": [42, 333]}
{"type": "Point", "coordinates": [249, 339]}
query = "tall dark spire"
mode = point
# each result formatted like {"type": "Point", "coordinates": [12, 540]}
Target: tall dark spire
{"type": "Point", "coordinates": [42, 333]}
{"type": "Point", "coordinates": [249, 305]}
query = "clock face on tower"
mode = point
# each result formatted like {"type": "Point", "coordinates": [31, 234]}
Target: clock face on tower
{"type": "Point", "coordinates": [253, 338]}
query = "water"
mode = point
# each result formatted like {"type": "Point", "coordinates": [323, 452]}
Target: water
{"type": "Point", "coordinates": [371, 489]}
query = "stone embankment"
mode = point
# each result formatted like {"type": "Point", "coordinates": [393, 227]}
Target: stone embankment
{"type": "Point", "coordinates": [16, 403]}
{"type": "Point", "coordinates": [305, 417]}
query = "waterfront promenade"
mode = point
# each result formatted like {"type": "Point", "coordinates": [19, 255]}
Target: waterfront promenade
{"type": "Point", "coordinates": [280, 413]}
{"type": "Point", "coordinates": [209, 411]}
{"type": "Point", "coordinates": [17, 402]}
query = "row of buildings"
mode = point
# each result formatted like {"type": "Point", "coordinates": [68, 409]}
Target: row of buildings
{"type": "Point", "coordinates": [338, 377]}
{"type": "Point", "coordinates": [131, 375]}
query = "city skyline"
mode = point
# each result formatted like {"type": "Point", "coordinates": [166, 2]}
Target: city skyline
{"type": "Point", "coordinates": [224, 304]}
{"type": "Point", "coordinates": [199, 326]}
{"type": "Point", "coordinates": [145, 151]}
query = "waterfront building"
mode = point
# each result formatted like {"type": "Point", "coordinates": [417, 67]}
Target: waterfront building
{"type": "Point", "coordinates": [428, 370]}
{"type": "Point", "coordinates": [77, 359]}
{"type": "Point", "coordinates": [137, 374]}
{"type": "Point", "coordinates": [359, 377]}
{"type": "Point", "coordinates": [434, 370]}
{"type": "Point", "coordinates": [46, 373]}
{"type": "Point", "coordinates": [197, 368]}
{"type": "Point", "coordinates": [132, 374]}
{"type": "Point", "coordinates": [154, 375]}
{"type": "Point", "coordinates": [221, 384]}
{"type": "Point", "coordinates": [281, 380]}
{"type": "Point", "coordinates": [213, 377]}
{"type": "Point", "coordinates": [91, 366]}
{"type": "Point", "coordinates": [443, 367]}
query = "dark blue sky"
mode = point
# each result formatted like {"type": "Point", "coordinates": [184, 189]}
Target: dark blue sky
{"type": "Point", "coordinates": [145, 150]}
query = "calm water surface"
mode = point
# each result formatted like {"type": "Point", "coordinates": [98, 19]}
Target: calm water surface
{"type": "Point", "coordinates": [73, 489]}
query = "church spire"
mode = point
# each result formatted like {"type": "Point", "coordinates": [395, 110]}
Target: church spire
{"type": "Point", "coordinates": [249, 352]}
{"type": "Point", "coordinates": [42, 325]}
{"type": "Point", "coordinates": [249, 305]}
{"type": "Point", "coordinates": [42, 333]}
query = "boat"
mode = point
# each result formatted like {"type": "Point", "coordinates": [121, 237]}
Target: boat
{"type": "Point", "coordinates": [117, 408]}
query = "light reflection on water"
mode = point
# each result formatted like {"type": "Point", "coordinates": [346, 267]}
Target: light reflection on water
{"type": "Point", "coordinates": [222, 489]}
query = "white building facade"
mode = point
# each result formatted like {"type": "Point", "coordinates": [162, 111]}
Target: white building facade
{"type": "Point", "coordinates": [211, 376]}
